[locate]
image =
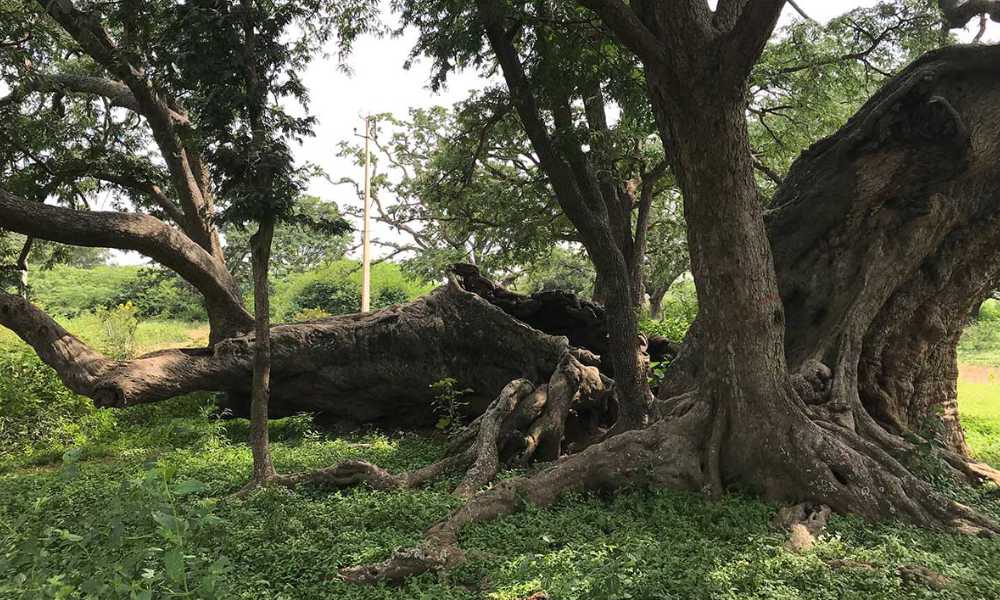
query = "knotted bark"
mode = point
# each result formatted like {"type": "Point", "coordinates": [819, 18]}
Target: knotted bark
{"type": "Point", "coordinates": [884, 236]}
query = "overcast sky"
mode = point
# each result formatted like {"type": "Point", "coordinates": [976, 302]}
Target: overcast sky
{"type": "Point", "coordinates": [379, 83]}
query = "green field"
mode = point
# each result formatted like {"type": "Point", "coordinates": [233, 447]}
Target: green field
{"type": "Point", "coordinates": [113, 526]}
{"type": "Point", "coordinates": [979, 406]}
{"type": "Point", "coordinates": [133, 504]}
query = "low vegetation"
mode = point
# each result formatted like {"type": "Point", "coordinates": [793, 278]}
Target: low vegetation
{"type": "Point", "coordinates": [135, 503]}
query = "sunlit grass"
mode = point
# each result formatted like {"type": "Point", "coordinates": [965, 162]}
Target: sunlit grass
{"type": "Point", "coordinates": [979, 407]}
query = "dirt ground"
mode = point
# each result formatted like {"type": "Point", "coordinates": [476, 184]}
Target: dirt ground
{"type": "Point", "coordinates": [979, 374]}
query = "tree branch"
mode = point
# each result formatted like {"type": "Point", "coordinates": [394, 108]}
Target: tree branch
{"type": "Point", "coordinates": [957, 13]}
{"type": "Point", "coordinates": [632, 32]}
{"type": "Point", "coordinates": [743, 44]}
{"type": "Point", "coordinates": [142, 233]}
{"type": "Point", "coordinates": [97, 43]}
{"type": "Point", "coordinates": [116, 92]}
{"type": "Point", "coordinates": [77, 364]}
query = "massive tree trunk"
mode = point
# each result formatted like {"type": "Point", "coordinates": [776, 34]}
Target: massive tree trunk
{"type": "Point", "coordinates": [884, 237]}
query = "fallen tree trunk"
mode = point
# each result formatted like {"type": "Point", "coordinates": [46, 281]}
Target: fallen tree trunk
{"type": "Point", "coordinates": [375, 368]}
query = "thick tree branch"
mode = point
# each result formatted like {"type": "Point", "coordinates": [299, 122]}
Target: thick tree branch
{"type": "Point", "coordinates": [78, 365]}
{"type": "Point", "coordinates": [97, 43]}
{"type": "Point", "coordinates": [142, 233]}
{"type": "Point", "coordinates": [743, 44]}
{"type": "Point", "coordinates": [116, 92]}
{"type": "Point", "coordinates": [629, 28]}
{"type": "Point", "coordinates": [560, 172]}
{"type": "Point", "coordinates": [958, 12]}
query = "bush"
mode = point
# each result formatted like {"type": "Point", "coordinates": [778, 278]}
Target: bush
{"type": "Point", "coordinates": [335, 289]}
{"type": "Point", "coordinates": [679, 309]}
{"type": "Point", "coordinates": [71, 291]}
{"type": "Point", "coordinates": [119, 326]}
{"type": "Point", "coordinates": [38, 415]}
{"type": "Point", "coordinates": [161, 293]}
{"type": "Point", "coordinates": [331, 297]}
{"type": "Point", "coordinates": [156, 293]}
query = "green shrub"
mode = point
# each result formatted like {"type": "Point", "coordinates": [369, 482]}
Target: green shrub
{"type": "Point", "coordinates": [71, 291]}
{"type": "Point", "coordinates": [678, 311]}
{"type": "Point", "coordinates": [161, 293]}
{"type": "Point", "coordinates": [156, 293]}
{"type": "Point", "coordinates": [39, 417]}
{"type": "Point", "coordinates": [336, 289]}
{"type": "Point", "coordinates": [119, 325]}
{"type": "Point", "coordinates": [331, 297]}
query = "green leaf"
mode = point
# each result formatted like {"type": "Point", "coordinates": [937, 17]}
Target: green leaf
{"type": "Point", "coordinates": [69, 537]}
{"type": "Point", "coordinates": [166, 521]}
{"type": "Point", "coordinates": [189, 486]}
{"type": "Point", "coordinates": [173, 562]}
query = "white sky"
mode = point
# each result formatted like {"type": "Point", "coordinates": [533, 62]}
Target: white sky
{"type": "Point", "coordinates": [379, 83]}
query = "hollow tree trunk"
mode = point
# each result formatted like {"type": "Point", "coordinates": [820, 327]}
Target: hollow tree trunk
{"type": "Point", "coordinates": [884, 238]}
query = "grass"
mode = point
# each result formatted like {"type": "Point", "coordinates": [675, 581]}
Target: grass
{"type": "Point", "coordinates": [979, 406]}
{"type": "Point", "coordinates": [93, 527]}
{"type": "Point", "coordinates": [132, 504]}
{"type": "Point", "coordinates": [149, 336]}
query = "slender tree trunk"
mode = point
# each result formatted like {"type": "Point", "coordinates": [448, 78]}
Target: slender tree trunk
{"type": "Point", "coordinates": [260, 247]}
{"type": "Point", "coordinates": [656, 302]}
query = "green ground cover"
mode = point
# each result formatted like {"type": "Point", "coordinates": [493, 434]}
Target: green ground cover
{"type": "Point", "coordinates": [133, 504]}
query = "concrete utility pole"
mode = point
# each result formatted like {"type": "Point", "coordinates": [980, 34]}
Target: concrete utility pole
{"type": "Point", "coordinates": [366, 267]}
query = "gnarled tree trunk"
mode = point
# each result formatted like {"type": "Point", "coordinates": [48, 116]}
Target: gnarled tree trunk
{"type": "Point", "coordinates": [884, 236]}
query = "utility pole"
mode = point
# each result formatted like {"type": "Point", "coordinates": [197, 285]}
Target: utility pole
{"type": "Point", "coordinates": [366, 267]}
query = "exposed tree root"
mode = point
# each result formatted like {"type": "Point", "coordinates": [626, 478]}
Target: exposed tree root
{"type": "Point", "coordinates": [523, 424]}
{"type": "Point", "coordinates": [812, 461]}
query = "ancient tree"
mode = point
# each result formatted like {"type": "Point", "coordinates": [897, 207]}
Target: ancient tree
{"type": "Point", "coordinates": [869, 321]}
{"type": "Point", "coordinates": [825, 341]}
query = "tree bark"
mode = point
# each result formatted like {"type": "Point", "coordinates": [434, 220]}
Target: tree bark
{"type": "Point", "coordinates": [144, 234]}
{"type": "Point", "coordinates": [656, 302]}
{"type": "Point", "coordinates": [884, 237]}
{"type": "Point", "coordinates": [260, 257]}
{"type": "Point", "coordinates": [350, 370]}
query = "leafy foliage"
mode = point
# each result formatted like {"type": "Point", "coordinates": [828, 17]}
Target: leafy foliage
{"type": "Point", "coordinates": [813, 77]}
{"type": "Point", "coordinates": [156, 293]}
{"type": "Point", "coordinates": [335, 289]}
{"type": "Point", "coordinates": [448, 404]}
{"type": "Point", "coordinates": [562, 269]}
{"type": "Point", "coordinates": [107, 531]}
{"type": "Point", "coordinates": [300, 244]}
{"type": "Point", "coordinates": [38, 415]}
{"type": "Point", "coordinates": [119, 327]}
